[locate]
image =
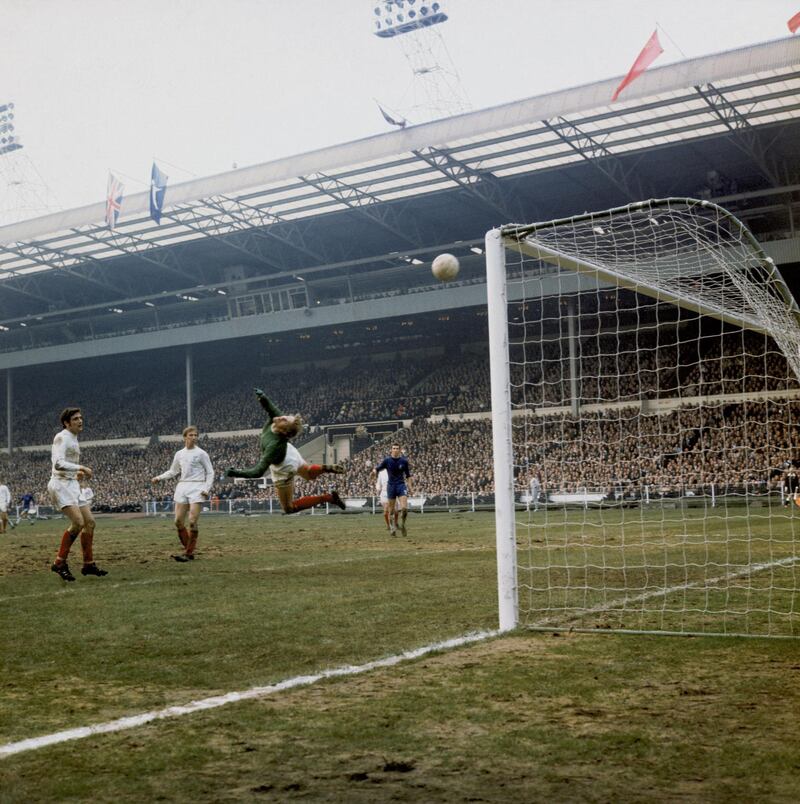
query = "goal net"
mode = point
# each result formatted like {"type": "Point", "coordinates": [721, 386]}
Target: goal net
{"type": "Point", "coordinates": [645, 401]}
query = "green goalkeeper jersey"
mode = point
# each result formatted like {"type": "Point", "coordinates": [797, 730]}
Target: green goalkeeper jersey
{"type": "Point", "coordinates": [273, 445]}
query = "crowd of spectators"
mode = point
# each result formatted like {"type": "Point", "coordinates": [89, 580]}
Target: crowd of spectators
{"type": "Point", "coordinates": [690, 449]}
{"type": "Point", "coordinates": [648, 364]}
{"type": "Point", "coordinates": [620, 452]}
{"type": "Point", "coordinates": [708, 437]}
{"type": "Point", "coordinates": [611, 367]}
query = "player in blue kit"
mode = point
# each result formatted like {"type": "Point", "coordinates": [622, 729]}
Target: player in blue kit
{"type": "Point", "coordinates": [398, 486]}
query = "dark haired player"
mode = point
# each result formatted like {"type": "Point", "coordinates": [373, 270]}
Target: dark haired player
{"type": "Point", "coordinates": [65, 492]}
{"type": "Point", "coordinates": [397, 488]}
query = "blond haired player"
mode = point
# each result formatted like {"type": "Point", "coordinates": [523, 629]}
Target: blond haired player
{"type": "Point", "coordinates": [65, 492]}
{"type": "Point", "coordinates": [284, 461]}
{"type": "Point", "coordinates": [196, 476]}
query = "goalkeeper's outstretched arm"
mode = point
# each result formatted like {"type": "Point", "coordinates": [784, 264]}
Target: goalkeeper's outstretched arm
{"type": "Point", "coordinates": [271, 409]}
{"type": "Point", "coordinates": [252, 471]}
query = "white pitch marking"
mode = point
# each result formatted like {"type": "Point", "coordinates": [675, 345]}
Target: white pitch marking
{"type": "Point", "coordinates": [133, 721]}
{"type": "Point", "coordinates": [232, 697]}
{"type": "Point", "coordinates": [750, 569]}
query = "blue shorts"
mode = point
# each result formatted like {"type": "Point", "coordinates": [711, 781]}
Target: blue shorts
{"type": "Point", "coordinates": [396, 489]}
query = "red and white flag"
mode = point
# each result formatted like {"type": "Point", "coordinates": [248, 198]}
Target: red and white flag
{"type": "Point", "coordinates": [650, 52]}
{"type": "Point", "coordinates": [794, 23]}
{"type": "Point", "coordinates": [113, 200]}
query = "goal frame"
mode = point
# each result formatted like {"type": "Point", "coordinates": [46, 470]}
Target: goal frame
{"type": "Point", "coordinates": [512, 236]}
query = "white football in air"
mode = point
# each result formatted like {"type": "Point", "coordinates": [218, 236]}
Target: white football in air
{"type": "Point", "coordinates": [445, 267]}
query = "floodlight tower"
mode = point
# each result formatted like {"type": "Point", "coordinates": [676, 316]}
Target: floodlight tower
{"type": "Point", "coordinates": [23, 192]}
{"type": "Point", "coordinates": [8, 140]}
{"type": "Point", "coordinates": [416, 26]}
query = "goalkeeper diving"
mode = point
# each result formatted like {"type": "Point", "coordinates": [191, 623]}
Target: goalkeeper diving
{"type": "Point", "coordinates": [285, 462]}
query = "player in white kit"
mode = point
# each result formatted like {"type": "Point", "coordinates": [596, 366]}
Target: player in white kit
{"type": "Point", "coordinates": [382, 487]}
{"type": "Point", "coordinates": [196, 476]}
{"type": "Point", "coordinates": [5, 504]}
{"type": "Point", "coordinates": [65, 492]}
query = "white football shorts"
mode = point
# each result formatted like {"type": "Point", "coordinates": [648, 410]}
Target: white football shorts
{"type": "Point", "coordinates": [85, 497]}
{"type": "Point", "coordinates": [189, 491]}
{"type": "Point", "coordinates": [3, 508]}
{"type": "Point", "coordinates": [64, 492]}
{"type": "Point", "coordinates": [283, 473]}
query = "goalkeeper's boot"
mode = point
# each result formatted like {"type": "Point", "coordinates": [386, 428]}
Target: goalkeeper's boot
{"type": "Point", "coordinates": [337, 500]}
{"type": "Point", "coordinates": [334, 468]}
{"type": "Point", "coordinates": [93, 569]}
{"type": "Point", "coordinates": [181, 559]}
{"type": "Point", "coordinates": [62, 570]}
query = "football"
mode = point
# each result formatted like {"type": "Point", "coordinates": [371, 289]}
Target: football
{"type": "Point", "coordinates": [445, 267]}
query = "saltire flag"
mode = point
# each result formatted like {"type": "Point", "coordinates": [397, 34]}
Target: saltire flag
{"type": "Point", "coordinates": [401, 123]}
{"type": "Point", "coordinates": [158, 189]}
{"type": "Point", "coordinates": [113, 200]}
{"type": "Point", "coordinates": [794, 23]}
{"type": "Point", "coordinates": [650, 52]}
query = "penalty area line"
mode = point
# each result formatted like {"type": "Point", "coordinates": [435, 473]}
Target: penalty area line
{"type": "Point", "coordinates": [132, 721]}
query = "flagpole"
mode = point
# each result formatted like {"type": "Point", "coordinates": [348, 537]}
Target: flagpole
{"type": "Point", "coordinates": [675, 44]}
{"type": "Point", "coordinates": [177, 167]}
{"type": "Point", "coordinates": [129, 178]}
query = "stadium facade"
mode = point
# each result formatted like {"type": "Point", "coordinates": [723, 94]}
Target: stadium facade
{"type": "Point", "coordinates": [328, 253]}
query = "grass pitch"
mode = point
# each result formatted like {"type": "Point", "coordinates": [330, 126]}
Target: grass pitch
{"type": "Point", "coordinates": [543, 716]}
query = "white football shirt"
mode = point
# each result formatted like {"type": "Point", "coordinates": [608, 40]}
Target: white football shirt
{"type": "Point", "coordinates": [191, 466]}
{"type": "Point", "coordinates": [65, 456]}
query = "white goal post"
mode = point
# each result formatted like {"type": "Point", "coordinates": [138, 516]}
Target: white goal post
{"type": "Point", "coordinates": [645, 410]}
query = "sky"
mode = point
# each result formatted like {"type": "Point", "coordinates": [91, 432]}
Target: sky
{"type": "Point", "coordinates": [205, 85]}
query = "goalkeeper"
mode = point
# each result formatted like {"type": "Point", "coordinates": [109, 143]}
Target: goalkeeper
{"type": "Point", "coordinates": [284, 461]}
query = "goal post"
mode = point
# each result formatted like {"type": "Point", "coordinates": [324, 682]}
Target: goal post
{"type": "Point", "coordinates": [644, 367]}
{"type": "Point", "coordinates": [501, 431]}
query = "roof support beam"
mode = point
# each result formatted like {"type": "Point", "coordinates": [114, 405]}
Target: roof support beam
{"type": "Point", "coordinates": [241, 226]}
{"type": "Point", "coordinates": [369, 206]}
{"type": "Point", "coordinates": [146, 251]}
{"type": "Point", "coordinates": [598, 155]}
{"type": "Point", "coordinates": [221, 231]}
{"type": "Point", "coordinates": [26, 282]}
{"type": "Point", "coordinates": [480, 184]}
{"type": "Point", "coordinates": [266, 224]}
{"type": "Point", "coordinates": [64, 262]}
{"type": "Point", "coordinates": [743, 133]}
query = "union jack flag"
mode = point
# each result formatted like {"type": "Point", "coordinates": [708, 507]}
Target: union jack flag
{"type": "Point", "coordinates": [113, 200]}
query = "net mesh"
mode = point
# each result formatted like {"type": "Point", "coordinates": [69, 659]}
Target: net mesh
{"type": "Point", "coordinates": [654, 363]}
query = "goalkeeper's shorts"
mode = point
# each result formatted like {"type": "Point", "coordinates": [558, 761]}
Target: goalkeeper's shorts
{"type": "Point", "coordinates": [284, 472]}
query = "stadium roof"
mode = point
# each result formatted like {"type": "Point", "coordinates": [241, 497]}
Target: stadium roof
{"type": "Point", "coordinates": [370, 206]}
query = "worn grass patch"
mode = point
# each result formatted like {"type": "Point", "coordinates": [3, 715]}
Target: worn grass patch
{"type": "Point", "coordinates": [550, 716]}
